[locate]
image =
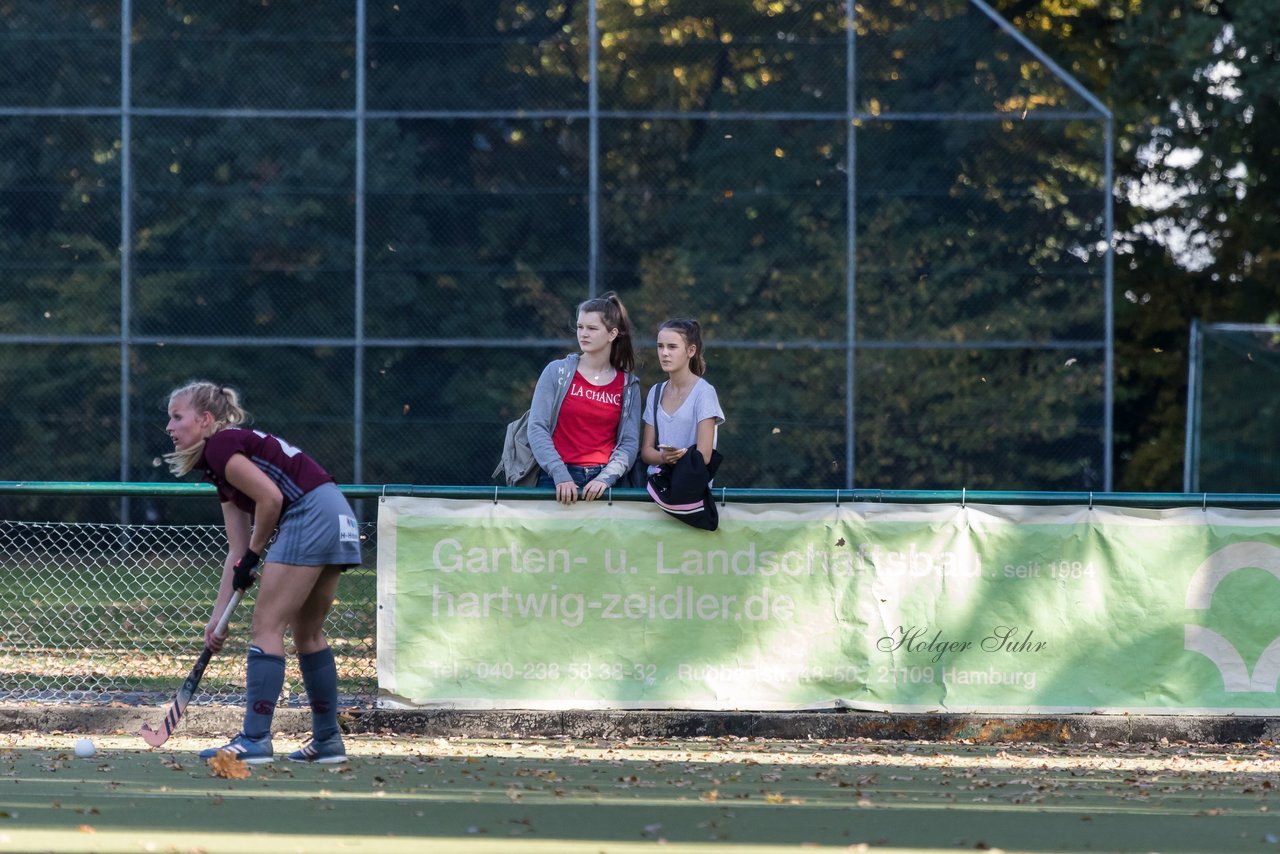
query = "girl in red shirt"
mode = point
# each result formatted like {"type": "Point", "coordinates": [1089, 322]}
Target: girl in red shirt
{"type": "Point", "coordinates": [584, 423]}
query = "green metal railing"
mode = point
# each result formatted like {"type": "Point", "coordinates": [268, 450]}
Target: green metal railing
{"type": "Point", "coordinates": [724, 495]}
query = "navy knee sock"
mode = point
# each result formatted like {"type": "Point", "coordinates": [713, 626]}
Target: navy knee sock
{"type": "Point", "coordinates": [320, 676]}
{"type": "Point", "coordinates": [264, 678]}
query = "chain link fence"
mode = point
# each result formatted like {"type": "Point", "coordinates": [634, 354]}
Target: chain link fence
{"type": "Point", "coordinates": [1232, 403]}
{"type": "Point", "coordinates": [102, 613]}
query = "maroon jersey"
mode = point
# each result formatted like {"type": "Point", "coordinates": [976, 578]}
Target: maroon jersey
{"type": "Point", "coordinates": [293, 472]}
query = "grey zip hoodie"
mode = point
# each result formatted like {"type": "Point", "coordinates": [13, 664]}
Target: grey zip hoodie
{"type": "Point", "coordinates": [552, 389]}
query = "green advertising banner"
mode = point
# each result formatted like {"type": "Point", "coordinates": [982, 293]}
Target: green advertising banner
{"type": "Point", "coordinates": [866, 606]}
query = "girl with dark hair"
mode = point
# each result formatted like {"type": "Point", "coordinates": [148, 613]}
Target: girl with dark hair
{"type": "Point", "coordinates": [271, 492]}
{"type": "Point", "coordinates": [687, 407]}
{"type": "Point", "coordinates": [584, 423]}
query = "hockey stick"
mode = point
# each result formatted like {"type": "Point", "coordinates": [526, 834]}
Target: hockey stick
{"type": "Point", "coordinates": [155, 738]}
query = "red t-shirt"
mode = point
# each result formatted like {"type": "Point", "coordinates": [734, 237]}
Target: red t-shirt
{"type": "Point", "coordinates": [587, 428]}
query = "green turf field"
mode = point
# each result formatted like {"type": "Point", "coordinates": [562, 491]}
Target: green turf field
{"type": "Point", "coordinates": [416, 794]}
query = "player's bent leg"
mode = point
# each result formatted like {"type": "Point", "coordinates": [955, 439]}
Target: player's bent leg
{"type": "Point", "coordinates": [319, 674]}
{"type": "Point", "coordinates": [307, 625]}
{"type": "Point", "coordinates": [281, 592]}
{"type": "Point", "coordinates": [264, 679]}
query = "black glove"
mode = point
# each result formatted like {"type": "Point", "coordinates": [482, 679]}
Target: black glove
{"type": "Point", "coordinates": [245, 576]}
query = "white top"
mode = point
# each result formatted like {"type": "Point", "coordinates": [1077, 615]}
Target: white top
{"type": "Point", "coordinates": [680, 428]}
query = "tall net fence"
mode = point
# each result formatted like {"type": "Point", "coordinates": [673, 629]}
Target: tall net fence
{"type": "Point", "coordinates": [1233, 402]}
{"type": "Point", "coordinates": [377, 218]}
{"type": "Point", "coordinates": [97, 613]}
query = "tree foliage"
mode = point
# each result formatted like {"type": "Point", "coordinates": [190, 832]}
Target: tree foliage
{"type": "Point", "coordinates": [1194, 89]}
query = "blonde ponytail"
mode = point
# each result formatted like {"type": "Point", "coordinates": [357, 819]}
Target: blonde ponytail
{"type": "Point", "coordinates": [222, 402]}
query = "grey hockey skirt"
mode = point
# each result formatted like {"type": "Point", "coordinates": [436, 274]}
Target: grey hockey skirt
{"type": "Point", "coordinates": [317, 530]}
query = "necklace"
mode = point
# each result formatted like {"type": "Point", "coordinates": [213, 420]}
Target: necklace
{"type": "Point", "coordinates": [678, 394]}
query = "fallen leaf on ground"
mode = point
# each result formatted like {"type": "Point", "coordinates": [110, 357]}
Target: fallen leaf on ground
{"type": "Point", "coordinates": [224, 764]}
